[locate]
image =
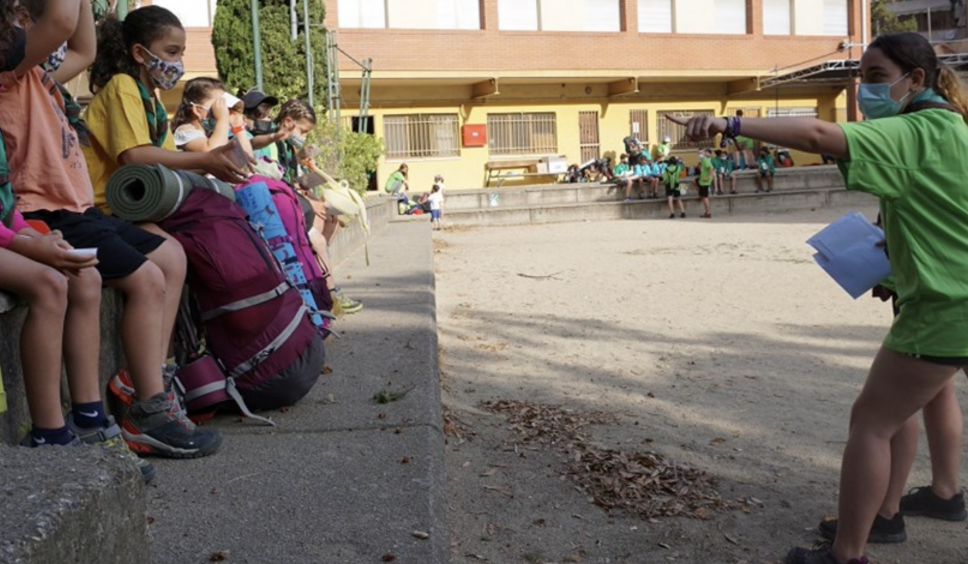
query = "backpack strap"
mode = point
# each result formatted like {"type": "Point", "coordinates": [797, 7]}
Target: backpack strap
{"type": "Point", "coordinates": [247, 302]}
{"type": "Point", "coordinates": [280, 339]}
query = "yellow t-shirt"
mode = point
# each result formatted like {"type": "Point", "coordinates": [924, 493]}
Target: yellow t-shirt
{"type": "Point", "coordinates": [117, 120]}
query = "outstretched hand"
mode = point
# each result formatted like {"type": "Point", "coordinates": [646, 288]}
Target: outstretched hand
{"type": "Point", "coordinates": [223, 163]}
{"type": "Point", "coordinates": [700, 127]}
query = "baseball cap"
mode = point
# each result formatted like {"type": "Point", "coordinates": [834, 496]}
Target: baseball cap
{"type": "Point", "coordinates": [253, 98]}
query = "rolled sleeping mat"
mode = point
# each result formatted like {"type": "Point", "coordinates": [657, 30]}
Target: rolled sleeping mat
{"type": "Point", "coordinates": [150, 193]}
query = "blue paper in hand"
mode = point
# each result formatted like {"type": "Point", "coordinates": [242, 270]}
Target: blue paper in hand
{"type": "Point", "coordinates": [848, 251]}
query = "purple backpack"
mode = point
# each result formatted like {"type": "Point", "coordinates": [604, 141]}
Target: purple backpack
{"type": "Point", "coordinates": [254, 319]}
{"type": "Point", "coordinates": [291, 213]}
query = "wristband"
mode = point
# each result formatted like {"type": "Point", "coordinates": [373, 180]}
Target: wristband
{"type": "Point", "coordinates": [238, 129]}
{"type": "Point", "coordinates": [733, 125]}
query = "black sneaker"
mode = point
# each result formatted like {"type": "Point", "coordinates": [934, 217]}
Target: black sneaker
{"type": "Point", "coordinates": [883, 531]}
{"type": "Point", "coordinates": [672, 216]}
{"type": "Point", "coordinates": [818, 555]}
{"type": "Point", "coordinates": [683, 214]}
{"type": "Point", "coordinates": [922, 502]}
{"type": "Point", "coordinates": [160, 427]}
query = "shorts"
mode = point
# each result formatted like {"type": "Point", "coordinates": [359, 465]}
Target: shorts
{"type": "Point", "coordinates": [670, 193]}
{"type": "Point", "coordinates": [765, 173]}
{"type": "Point", "coordinates": [435, 215]}
{"type": "Point", "coordinates": [309, 214]}
{"type": "Point", "coordinates": [956, 361]}
{"type": "Point", "coordinates": [704, 191]}
{"type": "Point", "coordinates": [121, 245]}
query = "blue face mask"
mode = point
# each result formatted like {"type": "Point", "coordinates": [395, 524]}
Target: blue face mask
{"type": "Point", "coordinates": [875, 99]}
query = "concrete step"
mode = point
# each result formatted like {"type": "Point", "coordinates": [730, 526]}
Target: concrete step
{"type": "Point", "coordinates": [793, 179]}
{"type": "Point", "coordinates": [70, 504]}
{"type": "Point", "coordinates": [777, 201]}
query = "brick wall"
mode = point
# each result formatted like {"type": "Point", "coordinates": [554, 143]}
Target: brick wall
{"type": "Point", "coordinates": [492, 50]}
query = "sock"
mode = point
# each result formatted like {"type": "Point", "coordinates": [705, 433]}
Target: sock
{"type": "Point", "coordinates": [44, 437]}
{"type": "Point", "coordinates": [89, 415]}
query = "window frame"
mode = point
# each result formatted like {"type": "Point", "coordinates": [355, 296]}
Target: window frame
{"type": "Point", "coordinates": [427, 145]}
{"type": "Point", "coordinates": [534, 121]}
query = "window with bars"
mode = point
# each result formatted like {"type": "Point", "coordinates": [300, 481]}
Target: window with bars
{"type": "Point", "coordinates": [639, 126]}
{"type": "Point", "coordinates": [677, 132]}
{"type": "Point", "coordinates": [522, 134]}
{"type": "Point", "coordinates": [421, 136]}
{"type": "Point", "coordinates": [791, 112]}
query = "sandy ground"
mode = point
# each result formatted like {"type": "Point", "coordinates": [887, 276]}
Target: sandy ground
{"type": "Point", "coordinates": [717, 343]}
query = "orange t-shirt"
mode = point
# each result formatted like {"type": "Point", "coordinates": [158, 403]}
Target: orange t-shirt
{"type": "Point", "coordinates": [47, 167]}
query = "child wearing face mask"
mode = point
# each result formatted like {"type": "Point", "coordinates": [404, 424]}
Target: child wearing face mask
{"type": "Point", "coordinates": [208, 117]}
{"type": "Point", "coordinates": [48, 169]}
{"type": "Point", "coordinates": [296, 119]}
{"type": "Point", "coordinates": [127, 120]}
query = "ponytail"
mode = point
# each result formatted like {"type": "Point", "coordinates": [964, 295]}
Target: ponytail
{"type": "Point", "coordinates": [112, 54]}
{"type": "Point", "coordinates": [950, 87]}
{"type": "Point", "coordinates": [115, 40]}
{"type": "Point", "coordinates": [197, 90]}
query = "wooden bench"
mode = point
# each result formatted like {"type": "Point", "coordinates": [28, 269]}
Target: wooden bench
{"type": "Point", "coordinates": [495, 170]}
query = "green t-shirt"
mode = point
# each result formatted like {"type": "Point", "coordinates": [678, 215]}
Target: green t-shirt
{"type": "Point", "coordinates": [671, 177]}
{"type": "Point", "coordinates": [394, 182]}
{"type": "Point", "coordinates": [915, 165]}
{"type": "Point", "coordinates": [706, 172]}
{"type": "Point", "coordinates": [621, 168]}
{"type": "Point", "coordinates": [766, 163]}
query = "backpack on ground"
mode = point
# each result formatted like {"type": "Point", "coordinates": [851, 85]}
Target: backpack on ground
{"type": "Point", "coordinates": [277, 217]}
{"type": "Point", "coordinates": [254, 319]}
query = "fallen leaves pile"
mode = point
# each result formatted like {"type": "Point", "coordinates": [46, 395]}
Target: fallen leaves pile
{"type": "Point", "coordinates": [644, 484]}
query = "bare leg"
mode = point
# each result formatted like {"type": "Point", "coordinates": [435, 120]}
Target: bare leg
{"type": "Point", "coordinates": [41, 339]}
{"type": "Point", "coordinates": [682, 208]}
{"type": "Point", "coordinates": [943, 424]}
{"type": "Point", "coordinates": [904, 447]}
{"type": "Point", "coordinates": [170, 258]}
{"type": "Point", "coordinates": [671, 209]}
{"type": "Point", "coordinates": [82, 336]}
{"type": "Point", "coordinates": [142, 335]}
{"type": "Point", "coordinates": [769, 180]}
{"type": "Point", "coordinates": [896, 388]}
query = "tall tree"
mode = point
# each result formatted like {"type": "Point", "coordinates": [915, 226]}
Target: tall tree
{"type": "Point", "coordinates": [886, 21]}
{"type": "Point", "coordinates": [283, 60]}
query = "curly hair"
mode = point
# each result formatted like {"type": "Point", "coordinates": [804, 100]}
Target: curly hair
{"type": "Point", "coordinates": [8, 31]}
{"type": "Point", "coordinates": [197, 90]}
{"type": "Point", "coordinates": [115, 39]}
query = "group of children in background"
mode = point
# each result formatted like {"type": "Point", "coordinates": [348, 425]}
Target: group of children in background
{"type": "Point", "coordinates": [638, 169]}
{"type": "Point", "coordinates": [59, 242]}
{"type": "Point", "coordinates": [398, 186]}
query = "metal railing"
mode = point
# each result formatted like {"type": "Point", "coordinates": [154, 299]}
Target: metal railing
{"type": "Point", "coordinates": [421, 136]}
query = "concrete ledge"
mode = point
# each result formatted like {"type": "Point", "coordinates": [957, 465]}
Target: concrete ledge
{"type": "Point", "coordinates": [777, 201]}
{"type": "Point", "coordinates": [381, 210]}
{"type": "Point", "coordinates": [791, 179]}
{"type": "Point", "coordinates": [71, 504]}
{"type": "Point", "coordinates": [17, 417]}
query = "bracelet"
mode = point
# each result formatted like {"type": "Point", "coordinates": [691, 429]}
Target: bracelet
{"type": "Point", "coordinates": [733, 125]}
{"type": "Point", "coordinates": [238, 129]}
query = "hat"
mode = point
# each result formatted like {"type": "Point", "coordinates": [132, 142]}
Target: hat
{"type": "Point", "coordinates": [253, 98]}
{"type": "Point", "coordinates": [438, 177]}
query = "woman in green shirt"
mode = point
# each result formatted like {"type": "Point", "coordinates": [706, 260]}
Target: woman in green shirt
{"type": "Point", "coordinates": [910, 154]}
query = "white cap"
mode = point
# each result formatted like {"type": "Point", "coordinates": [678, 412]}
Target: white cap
{"type": "Point", "coordinates": [666, 139]}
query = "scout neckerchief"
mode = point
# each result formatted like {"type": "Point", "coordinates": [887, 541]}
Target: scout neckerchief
{"type": "Point", "coordinates": [7, 201]}
{"type": "Point", "coordinates": [156, 114]}
{"type": "Point", "coordinates": [288, 160]}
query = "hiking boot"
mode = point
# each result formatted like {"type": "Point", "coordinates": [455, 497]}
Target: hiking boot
{"type": "Point", "coordinates": [346, 303]}
{"type": "Point", "coordinates": [121, 395]}
{"type": "Point", "coordinates": [922, 502]}
{"type": "Point", "coordinates": [109, 438]}
{"type": "Point", "coordinates": [160, 427]}
{"type": "Point", "coordinates": [683, 214]}
{"type": "Point", "coordinates": [883, 531]}
{"type": "Point", "coordinates": [819, 554]}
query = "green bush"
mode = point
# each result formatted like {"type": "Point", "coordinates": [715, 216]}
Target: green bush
{"type": "Point", "coordinates": [283, 60]}
{"type": "Point", "coordinates": [353, 158]}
